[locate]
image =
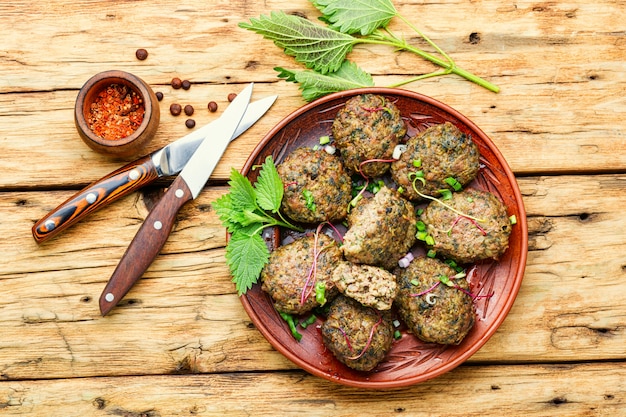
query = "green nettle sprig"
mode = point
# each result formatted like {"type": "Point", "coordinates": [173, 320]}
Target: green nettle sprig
{"type": "Point", "coordinates": [244, 211]}
{"type": "Point", "coordinates": [323, 49]}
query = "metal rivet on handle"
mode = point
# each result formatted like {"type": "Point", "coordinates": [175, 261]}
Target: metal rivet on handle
{"type": "Point", "coordinates": [179, 193]}
{"type": "Point", "coordinates": [109, 297]}
{"type": "Point", "coordinates": [158, 225]}
{"type": "Point", "coordinates": [50, 225]}
{"type": "Point", "coordinates": [133, 175]}
{"type": "Point", "coordinates": [91, 198]}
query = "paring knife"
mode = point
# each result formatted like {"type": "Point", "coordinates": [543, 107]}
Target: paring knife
{"type": "Point", "coordinates": [157, 226]}
{"type": "Point", "coordinates": [165, 162]}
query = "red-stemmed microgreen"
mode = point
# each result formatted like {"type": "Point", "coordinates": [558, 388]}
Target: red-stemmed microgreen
{"type": "Point", "coordinates": [358, 197]}
{"type": "Point", "coordinates": [474, 222]}
{"type": "Point", "coordinates": [311, 278]}
{"type": "Point", "coordinates": [448, 281]}
{"type": "Point", "coordinates": [369, 338]}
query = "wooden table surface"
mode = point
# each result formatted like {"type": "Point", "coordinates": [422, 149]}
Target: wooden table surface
{"type": "Point", "coordinates": [181, 344]}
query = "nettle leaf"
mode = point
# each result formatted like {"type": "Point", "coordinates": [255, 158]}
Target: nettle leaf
{"type": "Point", "coordinates": [315, 85]}
{"type": "Point", "coordinates": [269, 187]}
{"type": "Point", "coordinates": [241, 192]}
{"type": "Point", "coordinates": [246, 256]}
{"type": "Point", "coordinates": [318, 47]}
{"type": "Point", "coordinates": [357, 16]}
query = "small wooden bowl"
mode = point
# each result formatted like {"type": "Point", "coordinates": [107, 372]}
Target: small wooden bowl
{"type": "Point", "coordinates": [127, 146]}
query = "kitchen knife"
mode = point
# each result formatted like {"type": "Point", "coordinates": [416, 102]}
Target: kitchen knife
{"type": "Point", "coordinates": [157, 226]}
{"type": "Point", "coordinates": [164, 162]}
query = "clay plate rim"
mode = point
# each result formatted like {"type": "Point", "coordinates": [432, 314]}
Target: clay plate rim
{"type": "Point", "coordinates": [409, 361]}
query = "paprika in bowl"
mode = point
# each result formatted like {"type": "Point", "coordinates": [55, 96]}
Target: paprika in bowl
{"type": "Point", "coordinates": [116, 113]}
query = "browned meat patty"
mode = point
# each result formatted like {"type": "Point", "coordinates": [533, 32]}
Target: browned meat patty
{"type": "Point", "coordinates": [358, 336]}
{"type": "Point", "coordinates": [440, 152]}
{"type": "Point", "coordinates": [368, 127]}
{"type": "Point", "coordinates": [381, 230]}
{"type": "Point", "coordinates": [444, 315]}
{"type": "Point", "coordinates": [464, 239]}
{"type": "Point", "coordinates": [289, 267]}
{"type": "Point", "coordinates": [317, 187]}
{"type": "Point", "coordinates": [370, 285]}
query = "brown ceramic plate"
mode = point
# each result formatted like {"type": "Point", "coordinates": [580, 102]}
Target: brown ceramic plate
{"type": "Point", "coordinates": [410, 361]}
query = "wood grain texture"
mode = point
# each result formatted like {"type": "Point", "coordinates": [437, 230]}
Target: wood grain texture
{"type": "Point", "coordinates": [477, 391]}
{"type": "Point", "coordinates": [180, 343]}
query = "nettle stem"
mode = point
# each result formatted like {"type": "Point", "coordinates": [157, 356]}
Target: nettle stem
{"type": "Point", "coordinates": [446, 63]}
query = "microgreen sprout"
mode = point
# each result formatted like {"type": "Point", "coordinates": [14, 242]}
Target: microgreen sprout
{"type": "Point", "coordinates": [356, 199]}
{"type": "Point", "coordinates": [311, 278]}
{"type": "Point", "coordinates": [369, 338]}
{"type": "Point", "coordinates": [439, 201]}
{"type": "Point", "coordinates": [474, 222]}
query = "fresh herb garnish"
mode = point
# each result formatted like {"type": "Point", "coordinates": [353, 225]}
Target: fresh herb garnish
{"type": "Point", "coordinates": [323, 49]}
{"type": "Point", "coordinates": [309, 199]}
{"type": "Point", "coordinates": [244, 212]}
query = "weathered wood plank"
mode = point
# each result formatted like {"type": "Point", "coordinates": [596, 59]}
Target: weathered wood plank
{"type": "Point", "coordinates": [542, 55]}
{"type": "Point", "coordinates": [184, 313]}
{"type": "Point", "coordinates": [529, 390]}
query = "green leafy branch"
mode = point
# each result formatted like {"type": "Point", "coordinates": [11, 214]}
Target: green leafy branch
{"type": "Point", "coordinates": [323, 49]}
{"type": "Point", "coordinates": [244, 212]}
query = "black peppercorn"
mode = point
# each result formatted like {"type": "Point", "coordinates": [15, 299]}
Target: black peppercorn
{"type": "Point", "coordinates": [212, 106]}
{"type": "Point", "coordinates": [176, 83]}
{"type": "Point", "coordinates": [186, 85]}
{"type": "Point", "coordinates": [159, 95]}
{"type": "Point", "coordinates": [190, 123]}
{"type": "Point", "coordinates": [141, 54]}
{"type": "Point", "coordinates": [175, 109]}
{"type": "Point", "coordinates": [188, 109]}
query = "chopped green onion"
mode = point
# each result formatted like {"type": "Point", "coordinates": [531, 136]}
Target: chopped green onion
{"type": "Point", "coordinates": [430, 241]}
{"type": "Point", "coordinates": [292, 325]}
{"type": "Point", "coordinates": [431, 253]}
{"type": "Point", "coordinates": [445, 280]}
{"type": "Point", "coordinates": [400, 190]}
{"type": "Point", "coordinates": [316, 147]}
{"type": "Point", "coordinates": [397, 335]}
{"type": "Point", "coordinates": [421, 235]}
{"type": "Point", "coordinates": [417, 163]}
{"type": "Point", "coordinates": [420, 211]}
{"type": "Point", "coordinates": [324, 140]}
{"type": "Point", "coordinates": [310, 201]}
{"type": "Point", "coordinates": [320, 293]}
{"type": "Point", "coordinates": [452, 182]}
{"type": "Point", "coordinates": [396, 323]}
{"type": "Point", "coordinates": [445, 194]}
{"type": "Point", "coordinates": [415, 282]}
{"type": "Point", "coordinates": [306, 323]}
{"type": "Point", "coordinates": [421, 226]}
{"type": "Point", "coordinates": [513, 219]}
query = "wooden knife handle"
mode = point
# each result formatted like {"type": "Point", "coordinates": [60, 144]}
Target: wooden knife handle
{"type": "Point", "coordinates": [95, 196]}
{"type": "Point", "coordinates": [146, 244]}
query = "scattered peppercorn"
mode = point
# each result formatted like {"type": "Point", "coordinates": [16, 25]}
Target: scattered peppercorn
{"type": "Point", "coordinates": [212, 106]}
{"type": "Point", "coordinates": [141, 54]}
{"type": "Point", "coordinates": [231, 96]}
{"type": "Point", "coordinates": [175, 109]}
{"type": "Point", "coordinates": [186, 85]}
{"type": "Point", "coordinates": [176, 83]}
{"type": "Point", "coordinates": [188, 109]}
{"type": "Point", "coordinates": [190, 123]}
{"type": "Point", "coordinates": [159, 95]}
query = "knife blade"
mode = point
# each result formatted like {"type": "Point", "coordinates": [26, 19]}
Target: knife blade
{"type": "Point", "coordinates": [165, 162]}
{"type": "Point", "coordinates": [157, 226]}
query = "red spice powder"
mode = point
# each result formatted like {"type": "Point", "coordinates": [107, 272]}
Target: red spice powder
{"type": "Point", "coordinates": [116, 112]}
